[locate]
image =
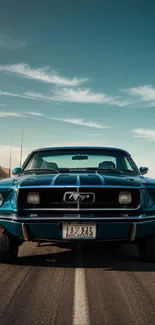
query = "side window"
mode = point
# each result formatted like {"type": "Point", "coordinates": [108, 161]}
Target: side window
{"type": "Point", "coordinates": [126, 164]}
{"type": "Point", "coordinates": [29, 165]}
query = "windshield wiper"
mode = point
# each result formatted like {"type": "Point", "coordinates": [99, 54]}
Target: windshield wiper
{"type": "Point", "coordinates": [106, 170]}
{"type": "Point", "coordinates": [41, 170]}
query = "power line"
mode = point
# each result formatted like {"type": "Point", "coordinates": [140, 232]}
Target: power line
{"type": "Point", "coordinates": [10, 160]}
{"type": "Point", "coordinates": [21, 150]}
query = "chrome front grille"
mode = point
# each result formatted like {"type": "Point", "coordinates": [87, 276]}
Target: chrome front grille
{"type": "Point", "coordinates": [53, 199]}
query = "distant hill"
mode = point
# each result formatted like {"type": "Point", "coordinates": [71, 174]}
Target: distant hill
{"type": "Point", "coordinates": [4, 172]}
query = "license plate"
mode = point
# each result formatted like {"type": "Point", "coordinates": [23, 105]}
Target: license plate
{"type": "Point", "coordinates": [78, 231]}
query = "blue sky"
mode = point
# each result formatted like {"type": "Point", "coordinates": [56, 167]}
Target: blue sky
{"type": "Point", "coordinates": [78, 74]}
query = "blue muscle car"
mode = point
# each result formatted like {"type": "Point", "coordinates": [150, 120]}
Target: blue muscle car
{"type": "Point", "coordinates": [85, 194]}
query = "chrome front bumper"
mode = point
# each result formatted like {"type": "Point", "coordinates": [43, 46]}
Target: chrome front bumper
{"type": "Point", "coordinates": [44, 227]}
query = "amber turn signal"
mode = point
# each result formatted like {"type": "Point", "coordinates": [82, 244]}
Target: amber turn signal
{"type": "Point", "coordinates": [1, 229]}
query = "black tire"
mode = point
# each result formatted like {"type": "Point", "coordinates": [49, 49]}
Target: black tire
{"type": "Point", "coordinates": [146, 248]}
{"type": "Point", "coordinates": [8, 248]}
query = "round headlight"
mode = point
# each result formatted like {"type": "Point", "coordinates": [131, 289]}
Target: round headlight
{"type": "Point", "coordinates": [125, 198]}
{"type": "Point", "coordinates": [33, 198]}
{"type": "Point", "coordinates": [1, 199]}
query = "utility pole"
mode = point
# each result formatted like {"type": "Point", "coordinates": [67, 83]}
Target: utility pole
{"type": "Point", "coordinates": [21, 150]}
{"type": "Point", "coordinates": [10, 159]}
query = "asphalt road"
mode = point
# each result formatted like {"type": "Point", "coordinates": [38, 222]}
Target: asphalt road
{"type": "Point", "coordinates": [65, 285]}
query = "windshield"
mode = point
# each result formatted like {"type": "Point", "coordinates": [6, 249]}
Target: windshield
{"type": "Point", "coordinates": [80, 159]}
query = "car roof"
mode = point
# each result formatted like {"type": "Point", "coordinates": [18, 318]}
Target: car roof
{"type": "Point", "coordinates": [80, 147]}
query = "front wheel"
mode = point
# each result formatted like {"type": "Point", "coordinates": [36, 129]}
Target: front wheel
{"type": "Point", "coordinates": [146, 248]}
{"type": "Point", "coordinates": [8, 248]}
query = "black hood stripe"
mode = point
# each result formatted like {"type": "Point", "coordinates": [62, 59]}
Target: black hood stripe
{"type": "Point", "coordinates": [66, 179]}
{"type": "Point", "coordinates": [79, 179]}
{"type": "Point", "coordinates": [54, 179]}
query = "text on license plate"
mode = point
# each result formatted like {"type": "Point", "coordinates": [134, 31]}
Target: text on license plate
{"type": "Point", "coordinates": [78, 231]}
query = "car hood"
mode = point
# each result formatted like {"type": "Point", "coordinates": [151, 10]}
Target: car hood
{"type": "Point", "coordinates": [76, 179]}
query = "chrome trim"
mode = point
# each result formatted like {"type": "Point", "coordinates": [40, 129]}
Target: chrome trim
{"type": "Point", "coordinates": [11, 218]}
{"type": "Point", "coordinates": [85, 218]}
{"type": "Point", "coordinates": [81, 218]}
{"type": "Point", "coordinates": [17, 189]}
{"type": "Point", "coordinates": [25, 232]}
{"type": "Point", "coordinates": [133, 232]}
{"type": "Point", "coordinates": [79, 210]}
{"type": "Point", "coordinates": [8, 217]}
{"type": "Point", "coordinates": [87, 241]}
{"type": "Point", "coordinates": [78, 186]}
{"type": "Point", "coordinates": [37, 218]}
{"type": "Point", "coordinates": [75, 186]}
{"type": "Point", "coordinates": [78, 202]}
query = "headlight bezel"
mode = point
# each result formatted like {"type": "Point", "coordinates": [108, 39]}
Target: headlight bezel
{"type": "Point", "coordinates": [123, 201]}
{"type": "Point", "coordinates": [33, 202]}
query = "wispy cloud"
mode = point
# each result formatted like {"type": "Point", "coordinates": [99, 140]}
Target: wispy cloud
{"type": "Point", "coordinates": [144, 94]}
{"type": "Point", "coordinates": [144, 133]}
{"type": "Point", "coordinates": [38, 96]}
{"type": "Point", "coordinates": [35, 114]}
{"type": "Point", "coordinates": [11, 114]}
{"type": "Point", "coordinates": [9, 43]}
{"type": "Point", "coordinates": [6, 93]}
{"type": "Point", "coordinates": [76, 121]}
{"type": "Point", "coordinates": [86, 95]}
{"type": "Point", "coordinates": [24, 114]}
{"type": "Point", "coordinates": [81, 122]}
{"type": "Point", "coordinates": [78, 96]}
{"type": "Point", "coordinates": [41, 74]}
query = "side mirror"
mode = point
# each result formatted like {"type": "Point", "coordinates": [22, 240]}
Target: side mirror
{"type": "Point", "coordinates": [16, 171]}
{"type": "Point", "coordinates": [144, 170]}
